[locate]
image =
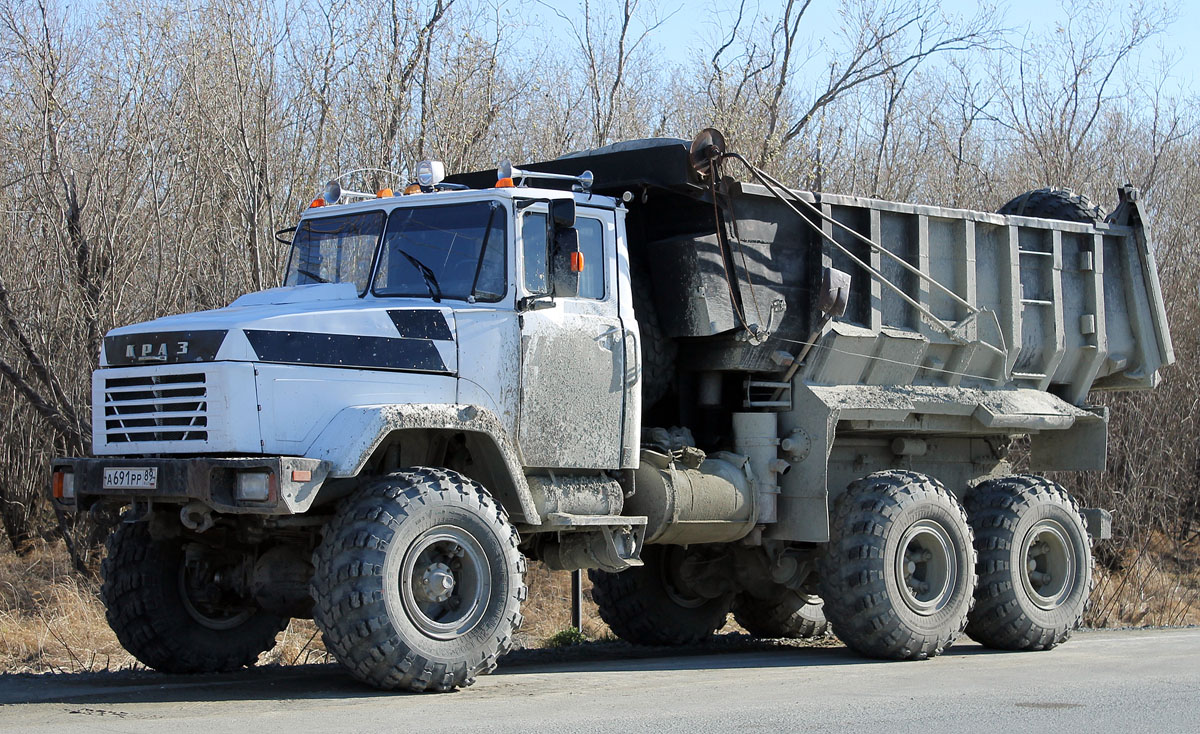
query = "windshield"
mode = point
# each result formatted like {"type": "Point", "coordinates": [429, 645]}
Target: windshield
{"type": "Point", "coordinates": [336, 249]}
{"type": "Point", "coordinates": [453, 251]}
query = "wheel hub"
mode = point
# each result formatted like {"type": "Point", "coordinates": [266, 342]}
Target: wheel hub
{"type": "Point", "coordinates": [437, 583]}
{"type": "Point", "coordinates": [926, 567]}
{"type": "Point", "coordinates": [1049, 564]}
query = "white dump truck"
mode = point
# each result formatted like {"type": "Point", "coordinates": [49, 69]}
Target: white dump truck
{"type": "Point", "coordinates": [715, 393]}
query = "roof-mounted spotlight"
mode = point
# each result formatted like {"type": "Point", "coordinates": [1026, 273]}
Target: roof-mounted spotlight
{"type": "Point", "coordinates": [430, 173]}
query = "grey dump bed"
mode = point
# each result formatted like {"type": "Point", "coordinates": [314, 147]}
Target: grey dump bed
{"type": "Point", "coordinates": [1006, 301]}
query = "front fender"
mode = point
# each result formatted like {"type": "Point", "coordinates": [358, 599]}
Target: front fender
{"type": "Point", "coordinates": [356, 432]}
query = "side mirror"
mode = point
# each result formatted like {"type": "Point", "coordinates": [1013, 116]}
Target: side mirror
{"type": "Point", "coordinates": [566, 261]}
{"type": "Point", "coordinates": [562, 213]}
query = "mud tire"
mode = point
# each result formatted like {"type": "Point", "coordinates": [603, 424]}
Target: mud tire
{"type": "Point", "coordinates": [373, 621]}
{"type": "Point", "coordinates": [1061, 204]}
{"type": "Point", "coordinates": [876, 524]}
{"type": "Point", "coordinates": [640, 605]}
{"type": "Point", "coordinates": [145, 607]}
{"type": "Point", "coordinates": [787, 614]}
{"type": "Point", "coordinates": [1009, 515]}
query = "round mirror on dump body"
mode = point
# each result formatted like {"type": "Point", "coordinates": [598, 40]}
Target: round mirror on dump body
{"type": "Point", "coordinates": [333, 192]}
{"type": "Point", "coordinates": [707, 146]}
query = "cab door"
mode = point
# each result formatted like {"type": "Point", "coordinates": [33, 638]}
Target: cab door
{"type": "Point", "coordinates": [572, 352]}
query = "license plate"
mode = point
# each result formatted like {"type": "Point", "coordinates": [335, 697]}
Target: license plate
{"type": "Point", "coordinates": [131, 477]}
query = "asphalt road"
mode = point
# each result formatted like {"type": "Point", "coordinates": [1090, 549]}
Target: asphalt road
{"type": "Point", "coordinates": [1098, 682]}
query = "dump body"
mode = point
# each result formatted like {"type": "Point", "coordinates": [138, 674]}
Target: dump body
{"type": "Point", "coordinates": [1060, 306]}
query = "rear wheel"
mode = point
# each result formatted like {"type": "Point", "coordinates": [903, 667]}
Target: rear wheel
{"type": "Point", "coordinates": [418, 582]}
{"type": "Point", "coordinates": [170, 609]}
{"type": "Point", "coordinates": [1035, 564]}
{"type": "Point", "coordinates": [786, 613]}
{"type": "Point", "coordinates": [652, 604]}
{"type": "Point", "coordinates": [899, 570]}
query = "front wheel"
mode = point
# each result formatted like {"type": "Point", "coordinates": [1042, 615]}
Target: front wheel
{"type": "Point", "coordinates": [1035, 564]}
{"type": "Point", "coordinates": [418, 582]}
{"type": "Point", "coordinates": [170, 610]}
{"type": "Point", "coordinates": [898, 572]}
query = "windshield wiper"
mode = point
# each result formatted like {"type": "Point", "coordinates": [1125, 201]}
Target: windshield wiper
{"type": "Point", "coordinates": [435, 290]}
{"type": "Point", "coordinates": [487, 232]}
{"type": "Point", "coordinates": [314, 276]}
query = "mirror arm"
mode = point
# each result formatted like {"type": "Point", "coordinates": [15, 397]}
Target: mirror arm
{"type": "Point", "coordinates": [535, 303]}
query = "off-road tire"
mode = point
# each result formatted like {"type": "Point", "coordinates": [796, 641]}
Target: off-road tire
{"type": "Point", "coordinates": [640, 606]}
{"type": "Point", "coordinates": [143, 597]}
{"type": "Point", "coordinates": [1008, 515]}
{"type": "Point", "coordinates": [788, 614]}
{"type": "Point", "coordinates": [879, 520]}
{"type": "Point", "coordinates": [1061, 204]}
{"type": "Point", "coordinates": [372, 621]}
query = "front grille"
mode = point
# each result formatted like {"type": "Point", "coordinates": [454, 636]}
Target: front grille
{"type": "Point", "coordinates": [156, 408]}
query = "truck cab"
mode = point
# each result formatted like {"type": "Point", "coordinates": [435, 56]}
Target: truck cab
{"type": "Point", "coordinates": [394, 308]}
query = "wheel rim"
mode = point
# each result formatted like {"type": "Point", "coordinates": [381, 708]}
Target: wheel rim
{"type": "Point", "coordinates": [675, 590]}
{"type": "Point", "coordinates": [445, 582]}
{"type": "Point", "coordinates": [205, 611]}
{"type": "Point", "coordinates": [926, 567]}
{"type": "Point", "coordinates": [1047, 564]}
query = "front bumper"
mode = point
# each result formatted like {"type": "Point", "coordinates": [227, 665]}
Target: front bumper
{"type": "Point", "coordinates": [212, 480]}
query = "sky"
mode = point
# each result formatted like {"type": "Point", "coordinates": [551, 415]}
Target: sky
{"type": "Point", "coordinates": [694, 23]}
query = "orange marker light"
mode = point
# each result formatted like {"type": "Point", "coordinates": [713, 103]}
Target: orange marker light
{"type": "Point", "coordinates": [412, 189]}
{"type": "Point", "coordinates": [58, 485]}
{"type": "Point", "coordinates": [316, 203]}
{"type": "Point", "coordinates": [384, 194]}
{"type": "Point", "coordinates": [505, 183]}
{"type": "Point", "coordinates": [301, 475]}
{"type": "Point", "coordinates": [576, 262]}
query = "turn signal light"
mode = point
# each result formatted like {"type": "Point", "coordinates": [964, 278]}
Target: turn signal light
{"type": "Point", "coordinates": [576, 262]}
{"type": "Point", "coordinates": [64, 485]}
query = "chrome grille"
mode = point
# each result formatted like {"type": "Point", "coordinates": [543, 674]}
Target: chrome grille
{"type": "Point", "coordinates": [156, 408]}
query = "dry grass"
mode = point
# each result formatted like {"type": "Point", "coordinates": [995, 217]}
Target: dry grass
{"type": "Point", "coordinates": [1156, 584]}
{"type": "Point", "coordinates": [51, 620]}
{"type": "Point", "coordinates": [548, 608]}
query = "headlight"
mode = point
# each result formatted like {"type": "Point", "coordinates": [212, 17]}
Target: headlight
{"type": "Point", "coordinates": [253, 486]}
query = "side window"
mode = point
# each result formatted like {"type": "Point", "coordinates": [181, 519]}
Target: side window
{"type": "Point", "coordinates": [591, 244]}
{"type": "Point", "coordinates": [533, 245]}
